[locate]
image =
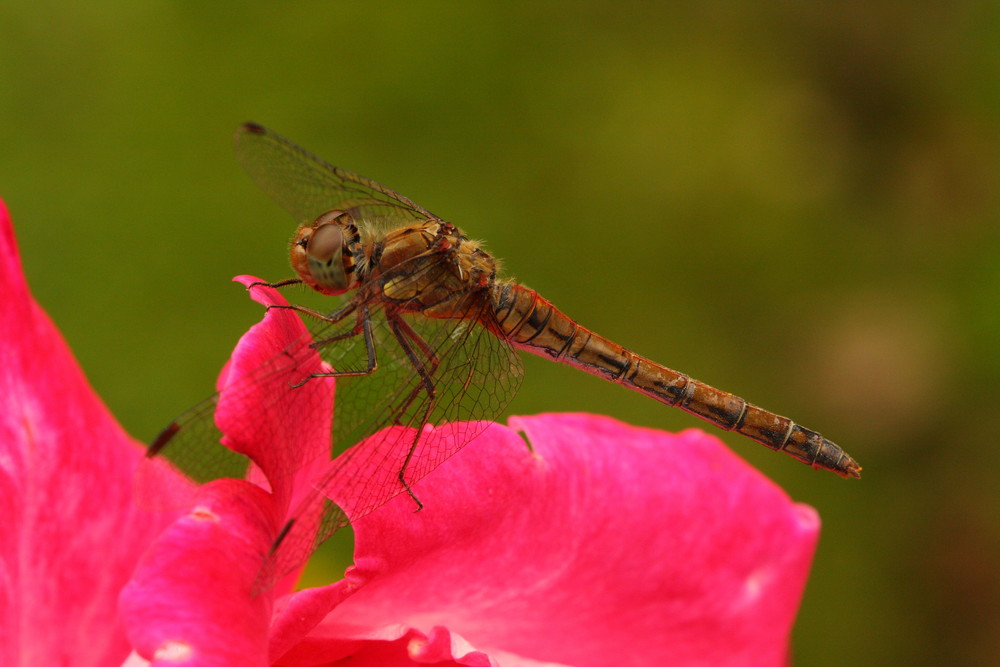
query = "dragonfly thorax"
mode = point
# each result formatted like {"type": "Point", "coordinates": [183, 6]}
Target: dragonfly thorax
{"type": "Point", "coordinates": [324, 252]}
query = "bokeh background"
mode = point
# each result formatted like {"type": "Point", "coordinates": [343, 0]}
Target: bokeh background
{"type": "Point", "coordinates": [794, 201]}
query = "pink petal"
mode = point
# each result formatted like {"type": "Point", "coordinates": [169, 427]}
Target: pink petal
{"type": "Point", "coordinates": [279, 428]}
{"type": "Point", "coordinates": [191, 598]}
{"type": "Point", "coordinates": [397, 645]}
{"type": "Point", "coordinates": [609, 545]}
{"type": "Point", "coordinates": [71, 533]}
{"type": "Point", "coordinates": [198, 593]}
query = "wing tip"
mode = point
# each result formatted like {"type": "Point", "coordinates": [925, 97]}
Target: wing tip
{"type": "Point", "coordinates": [165, 436]}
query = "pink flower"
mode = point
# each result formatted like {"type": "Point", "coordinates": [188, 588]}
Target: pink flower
{"type": "Point", "coordinates": [603, 544]}
{"type": "Point", "coordinates": [71, 533]}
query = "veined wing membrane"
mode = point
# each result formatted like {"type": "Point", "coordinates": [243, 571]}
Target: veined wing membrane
{"type": "Point", "coordinates": [258, 401]}
{"type": "Point", "coordinates": [474, 375]}
{"type": "Point", "coordinates": [307, 186]}
{"type": "Point", "coordinates": [474, 380]}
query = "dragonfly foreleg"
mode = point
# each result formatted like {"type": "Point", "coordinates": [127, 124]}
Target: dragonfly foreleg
{"type": "Point", "coordinates": [281, 283]}
{"type": "Point", "coordinates": [404, 335]}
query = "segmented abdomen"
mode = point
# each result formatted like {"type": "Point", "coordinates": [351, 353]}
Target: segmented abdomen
{"type": "Point", "coordinates": [531, 323]}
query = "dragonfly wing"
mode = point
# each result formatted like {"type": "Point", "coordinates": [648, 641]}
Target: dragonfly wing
{"type": "Point", "coordinates": [258, 409]}
{"type": "Point", "coordinates": [474, 378]}
{"type": "Point", "coordinates": [279, 403]}
{"type": "Point", "coordinates": [307, 186]}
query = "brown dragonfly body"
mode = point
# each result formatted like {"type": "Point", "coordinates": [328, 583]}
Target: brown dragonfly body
{"type": "Point", "coordinates": [425, 336]}
{"type": "Point", "coordinates": [531, 323]}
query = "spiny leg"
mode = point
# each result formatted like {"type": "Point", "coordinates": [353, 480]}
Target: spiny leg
{"type": "Point", "coordinates": [431, 365]}
{"type": "Point", "coordinates": [363, 326]}
{"type": "Point", "coordinates": [281, 283]}
{"type": "Point", "coordinates": [332, 318]}
{"type": "Point", "coordinates": [403, 333]}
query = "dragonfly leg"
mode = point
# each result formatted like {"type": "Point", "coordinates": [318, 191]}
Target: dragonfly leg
{"type": "Point", "coordinates": [404, 335]}
{"type": "Point", "coordinates": [363, 326]}
{"type": "Point", "coordinates": [430, 366]}
{"type": "Point", "coordinates": [281, 283]}
{"type": "Point", "coordinates": [333, 317]}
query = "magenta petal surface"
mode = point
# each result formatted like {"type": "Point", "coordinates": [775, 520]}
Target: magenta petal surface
{"type": "Point", "coordinates": [72, 534]}
{"type": "Point", "coordinates": [197, 595]}
{"type": "Point", "coordinates": [190, 601]}
{"type": "Point", "coordinates": [609, 545]}
{"type": "Point", "coordinates": [280, 435]}
{"type": "Point", "coordinates": [604, 544]}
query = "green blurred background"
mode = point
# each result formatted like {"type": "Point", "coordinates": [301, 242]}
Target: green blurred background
{"type": "Point", "coordinates": [794, 201]}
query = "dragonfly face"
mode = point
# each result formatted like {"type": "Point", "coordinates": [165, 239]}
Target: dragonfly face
{"type": "Point", "coordinates": [324, 254]}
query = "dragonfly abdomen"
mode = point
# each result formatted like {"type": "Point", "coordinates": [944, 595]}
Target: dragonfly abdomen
{"type": "Point", "coordinates": [531, 323]}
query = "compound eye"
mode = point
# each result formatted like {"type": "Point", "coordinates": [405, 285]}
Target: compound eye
{"type": "Point", "coordinates": [334, 216]}
{"type": "Point", "coordinates": [326, 242]}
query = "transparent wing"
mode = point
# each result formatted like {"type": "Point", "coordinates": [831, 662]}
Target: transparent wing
{"type": "Point", "coordinates": [259, 401]}
{"type": "Point", "coordinates": [453, 374]}
{"type": "Point", "coordinates": [474, 379]}
{"type": "Point", "coordinates": [307, 186]}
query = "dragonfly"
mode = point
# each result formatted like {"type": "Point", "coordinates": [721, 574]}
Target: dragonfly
{"type": "Point", "coordinates": [422, 341]}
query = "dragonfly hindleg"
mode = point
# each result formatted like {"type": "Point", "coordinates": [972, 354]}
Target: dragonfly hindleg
{"type": "Point", "coordinates": [405, 335]}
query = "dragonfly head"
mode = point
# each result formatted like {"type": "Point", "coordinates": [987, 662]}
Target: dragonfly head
{"type": "Point", "coordinates": [322, 252]}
